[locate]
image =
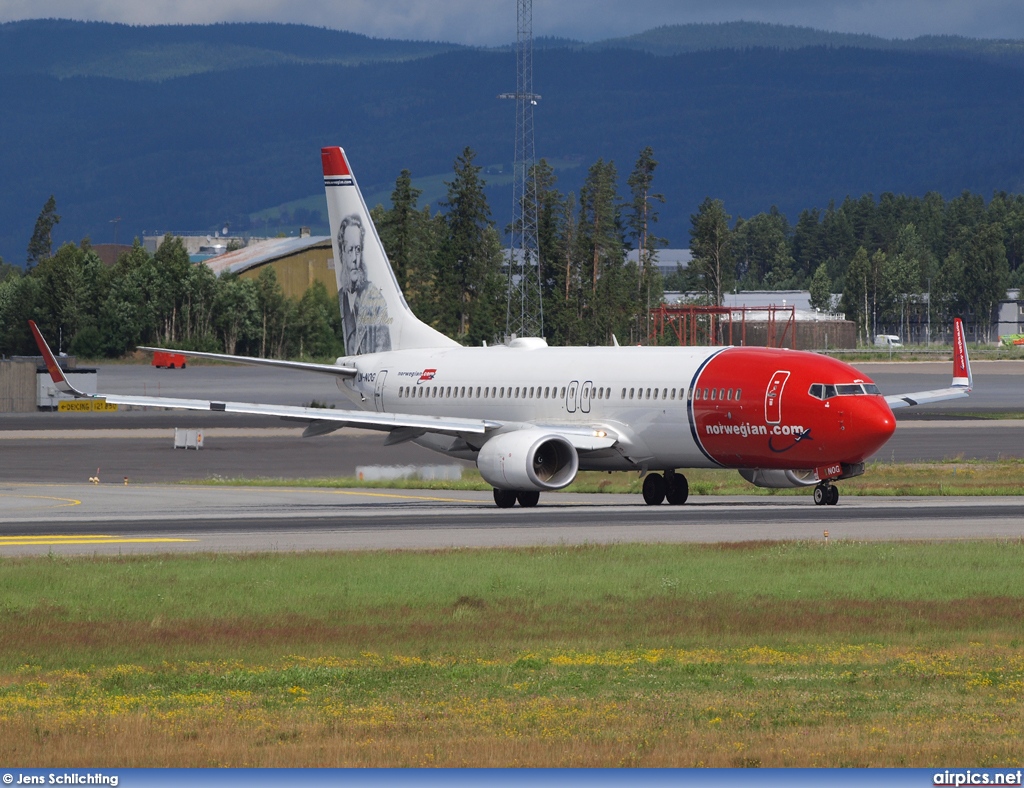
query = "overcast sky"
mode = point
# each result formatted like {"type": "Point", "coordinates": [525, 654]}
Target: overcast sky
{"type": "Point", "coordinates": [490, 22]}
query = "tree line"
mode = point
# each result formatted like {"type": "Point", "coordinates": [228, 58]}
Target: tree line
{"type": "Point", "coordinates": [888, 259]}
{"type": "Point", "coordinates": [879, 255]}
{"type": "Point", "coordinates": [450, 264]}
{"type": "Point", "coordinates": [454, 272]}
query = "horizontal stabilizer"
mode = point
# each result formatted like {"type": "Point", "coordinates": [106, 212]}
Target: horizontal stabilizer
{"type": "Point", "coordinates": [302, 366]}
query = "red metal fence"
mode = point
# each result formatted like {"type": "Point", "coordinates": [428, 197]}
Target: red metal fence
{"type": "Point", "coordinates": [775, 326]}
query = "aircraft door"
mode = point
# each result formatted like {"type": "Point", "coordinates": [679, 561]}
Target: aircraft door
{"type": "Point", "coordinates": [585, 395]}
{"type": "Point", "coordinates": [773, 397]}
{"type": "Point", "coordinates": [570, 396]}
{"type": "Point", "coordinates": [378, 391]}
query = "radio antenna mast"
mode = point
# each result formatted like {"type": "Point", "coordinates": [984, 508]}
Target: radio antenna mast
{"type": "Point", "coordinates": [525, 315]}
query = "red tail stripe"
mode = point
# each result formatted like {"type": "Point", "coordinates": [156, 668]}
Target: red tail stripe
{"type": "Point", "coordinates": [959, 350]}
{"type": "Point", "coordinates": [334, 162]}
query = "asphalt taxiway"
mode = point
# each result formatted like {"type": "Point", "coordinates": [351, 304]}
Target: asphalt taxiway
{"type": "Point", "coordinates": [112, 519]}
{"type": "Point", "coordinates": [46, 504]}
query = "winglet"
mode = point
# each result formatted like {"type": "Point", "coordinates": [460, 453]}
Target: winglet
{"type": "Point", "coordinates": [961, 363]}
{"type": "Point", "coordinates": [56, 373]}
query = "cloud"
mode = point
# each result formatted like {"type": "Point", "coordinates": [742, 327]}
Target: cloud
{"type": "Point", "coordinates": [493, 22]}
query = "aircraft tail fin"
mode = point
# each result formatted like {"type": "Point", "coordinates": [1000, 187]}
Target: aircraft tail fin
{"type": "Point", "coordinates": [963, 380]}
{"type": "Point", "coordinates": [57, 375]}
{"type": "Point", "coordinates": [961, 362]}
{"type": "Point", "coordinates": [374, 312]}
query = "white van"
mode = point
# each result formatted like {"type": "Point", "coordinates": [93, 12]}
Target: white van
{"type": "Point", "coordinates": [887, 340]}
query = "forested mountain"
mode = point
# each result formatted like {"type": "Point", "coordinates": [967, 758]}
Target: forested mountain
{"type": "Point", "coordinates": [63, 48]}
{"type": "Point", "coordinates": [172, 128]}
{"type": "Point", "coordinates": [676, 39]}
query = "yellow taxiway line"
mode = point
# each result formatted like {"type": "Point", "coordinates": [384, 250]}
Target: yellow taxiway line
{"type": "Point", "coordinates": [61, 501]}
{"type": "Point", "coordinates": [60, 539]}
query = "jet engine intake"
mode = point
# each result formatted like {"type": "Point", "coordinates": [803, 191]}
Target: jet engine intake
{"type": "Point", "coordinates": [528, 460]}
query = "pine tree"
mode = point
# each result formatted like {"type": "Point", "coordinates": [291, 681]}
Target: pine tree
{"type": "Point", "coordinates": [468, 273]}
{"type": "Point", "coordinates": [855, 291]}
{"type": "Point", "coordinates": [399, 229]}
{"type": "Point", "coordinates": [821, 289]}
{"type": "Point", "coordinates": [641, 220]}
{"type": "Point", "coordinates": [599, 231]}
{"type": "Point", "coordinates": [710, 243]}
{"type": "Point", "coordinates": [41, 245]}
{"type": "Point", "coordinates": [601, 255]}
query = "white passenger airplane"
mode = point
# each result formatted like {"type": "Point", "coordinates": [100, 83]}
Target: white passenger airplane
{"type": "Point", "coordinates": [533, 416]}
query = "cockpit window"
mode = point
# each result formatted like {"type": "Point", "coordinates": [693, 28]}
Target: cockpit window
{"type": "Point", "coordinates": [827, 391]}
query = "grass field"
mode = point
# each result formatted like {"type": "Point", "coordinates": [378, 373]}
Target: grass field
{"type": "Point", "coordinates": [950, 477]}
{"type": "Point", "coordinates": [762, 654]}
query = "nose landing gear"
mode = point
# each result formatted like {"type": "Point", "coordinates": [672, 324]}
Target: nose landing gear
{"type": "Point", "coordinates": [826, 495]}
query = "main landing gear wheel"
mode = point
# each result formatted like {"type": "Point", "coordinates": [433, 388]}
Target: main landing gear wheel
{"type": "Point", "coordinates": [826, 495]}
{"type": "Point", "coordinates": [505, 499]}
{"type": "Point", "coordinates": [654, 489]}
{"type": "Point", "coordinates": [528, 499]}
{"type": "Point", "coordinates": [677, 490]}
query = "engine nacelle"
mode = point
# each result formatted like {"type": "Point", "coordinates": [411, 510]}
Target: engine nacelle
{"type": "Point", "coordinates": [531, 460]}
{"type": "Point", "coordinates": [779, 480]}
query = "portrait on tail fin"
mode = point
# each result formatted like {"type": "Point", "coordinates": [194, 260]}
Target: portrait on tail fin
{"type": "Point", "coordinates": [364, 312]}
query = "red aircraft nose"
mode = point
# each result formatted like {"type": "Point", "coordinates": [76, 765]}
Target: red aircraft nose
{"type": "Point", "coordinates": [874, 424]}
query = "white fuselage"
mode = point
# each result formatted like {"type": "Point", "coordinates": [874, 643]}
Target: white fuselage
{"type": "Point", "coordinates": [640, 393]}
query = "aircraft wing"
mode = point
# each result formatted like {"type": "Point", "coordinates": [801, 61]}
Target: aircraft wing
{"type": "Point", "coordinates": [322, 420]}
{"type": "Point", "coordinates": [305, 366]}
{"type": "Point", "coordinates": [963, 381]}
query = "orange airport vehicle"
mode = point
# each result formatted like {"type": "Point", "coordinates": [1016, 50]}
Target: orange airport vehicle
{"type": "Point", "coordinates": [167, 360]}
